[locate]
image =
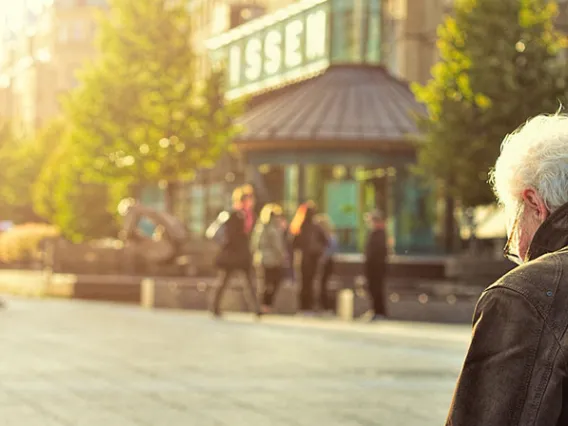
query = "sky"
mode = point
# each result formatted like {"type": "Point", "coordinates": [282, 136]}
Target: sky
{"type": "Point", "coordinates": [13, 12]}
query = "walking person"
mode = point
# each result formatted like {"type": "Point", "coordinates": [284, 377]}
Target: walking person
{"type": "Point", "coordinates": [289, 270]}
{"type": "Point", "coordinates": [235, 255]}
{"type": "Point", "coordinates": [311, 241]}
{"type": "Point", "coordinates": [515, 371]}
{"type": "Point", "coordinates": [327, 261]}
{"type": "Point", "coordinates": [376, 264]}
{"type": "Point", "coordinates": [270, 252]}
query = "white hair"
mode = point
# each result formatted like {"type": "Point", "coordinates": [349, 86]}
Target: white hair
{"type": "Point", "coordinates": [535, 155]}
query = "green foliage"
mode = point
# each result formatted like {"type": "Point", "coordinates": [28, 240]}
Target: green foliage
{"type": "Point", "coordinates": [63, 197]}
{"type": "Point", "coordinates": [140, 115]}
{"type": "Point", "coordinates": [20, 163]}
{"type": "Point", "coordinates": [498, 68]}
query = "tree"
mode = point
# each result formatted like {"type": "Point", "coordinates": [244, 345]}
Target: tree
{"type": "Point", "coordinates": [81, 210]}
{"type": "Point", "coordinates": [499, 66]}
{"type": "Point", "coordinates": [21, 160]}
{"type": "Point", "coordinates": [140, 115]}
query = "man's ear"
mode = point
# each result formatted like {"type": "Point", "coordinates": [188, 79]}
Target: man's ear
{"type": "Point", "coordinates": [535, 203]}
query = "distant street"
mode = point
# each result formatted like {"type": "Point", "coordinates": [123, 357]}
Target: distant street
{"type": "Point", "coordinates": [88, 364]}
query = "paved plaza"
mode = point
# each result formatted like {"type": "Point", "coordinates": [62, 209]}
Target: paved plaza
{"type": "Point", "coordinates": [90, 364]}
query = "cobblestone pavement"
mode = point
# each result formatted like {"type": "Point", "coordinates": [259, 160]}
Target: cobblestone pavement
{"type": "Point", "coordinates": [89, 364]}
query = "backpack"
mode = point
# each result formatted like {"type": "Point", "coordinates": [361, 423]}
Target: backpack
{"type": "Point", "coordinates": [267, 253]}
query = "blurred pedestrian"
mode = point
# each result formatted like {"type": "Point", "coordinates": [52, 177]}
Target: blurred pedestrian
{"type": "Point", "coordinates": [515, 371]}
{"type": "Point", "coordinates": [376, 264]}
{"type": "Point", "coordinates": [270, 252]}
{"type": "Point", "coordinates": [327, 260]}
{"type": "Point", "coordinates": [247, 192]}
{"type": "Point", "coordinates": [235, 255]}
{"type": "Point", "coordinates": [289, 269]}
{"type": "Point", "coordinates": [311, 241]}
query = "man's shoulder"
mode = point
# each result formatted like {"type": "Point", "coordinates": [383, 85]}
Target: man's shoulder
{"type": "Point", "coordinates": [541, 283]}
{"type": "Point", "coordinates": [539, 274]}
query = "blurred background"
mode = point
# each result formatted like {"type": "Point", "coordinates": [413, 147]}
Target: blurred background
{"type": "Point", "coordinates": [395, 105]}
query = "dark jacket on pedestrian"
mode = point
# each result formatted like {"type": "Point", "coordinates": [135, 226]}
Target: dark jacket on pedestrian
{"type": "Point", "coordinates": [312, 240]}
{"type": "Point", "coordinates": [376, 254]}
{"type": "Point", "coordinates": [516, 369]}
{"type": "Point", "coordinates": [235, 251]}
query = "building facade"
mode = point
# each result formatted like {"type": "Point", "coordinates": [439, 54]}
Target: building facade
{"type": "Point", "coordinates": [347, 172]}
{"type": "Point", "coordinates": [41, 58]}
{"type": "Point", "coordinates": [408, 29]}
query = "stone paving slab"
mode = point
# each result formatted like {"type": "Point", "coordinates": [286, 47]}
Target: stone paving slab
{"type": "Point", "coordinates": [90, 364]}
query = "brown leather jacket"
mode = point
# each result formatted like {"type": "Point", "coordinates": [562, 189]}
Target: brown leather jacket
{"type": "Point", "coordinates": [515, 372]}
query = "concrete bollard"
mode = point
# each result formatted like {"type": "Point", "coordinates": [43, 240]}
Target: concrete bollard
{"type": "Point", "coordinates": [345, 304]}
{"type": "Point", "coordinates": [148, 293]}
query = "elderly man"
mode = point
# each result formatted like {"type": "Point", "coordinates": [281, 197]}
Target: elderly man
{"type": "Point", "coordinates": [516, 369]}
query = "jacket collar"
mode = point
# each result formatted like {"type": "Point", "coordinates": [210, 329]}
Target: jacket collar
{"type": "Point", "coordinates": [552, 235]}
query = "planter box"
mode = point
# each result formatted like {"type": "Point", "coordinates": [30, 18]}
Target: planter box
{"type": "Point", "coordinates": [111, 288]}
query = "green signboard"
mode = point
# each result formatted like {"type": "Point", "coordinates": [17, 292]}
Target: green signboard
{"type": "Point", "coordinates": [275, 49]}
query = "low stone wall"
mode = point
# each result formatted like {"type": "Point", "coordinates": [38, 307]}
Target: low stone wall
{"type": "Point", "coordinates": [470, 270]}
{"type": "Point", "coordinates": [352, 305]}
{"type": "Point", "coordinates": [197, 294]}
{"type": "Point", "coordinates": [90, 287]}
{"type": "Point", "coordinates": [87, 259]}
{"type": "Point", "coordinates": [24, 283]}
{"type": "Point", "coordinates": [406, 267]}
{"type": "Point", "coordinates": [60, 285]}
{"type": "Point", "coordinates": [110, 288]}
{"type": "Point", "coordinates": [433, 301]}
